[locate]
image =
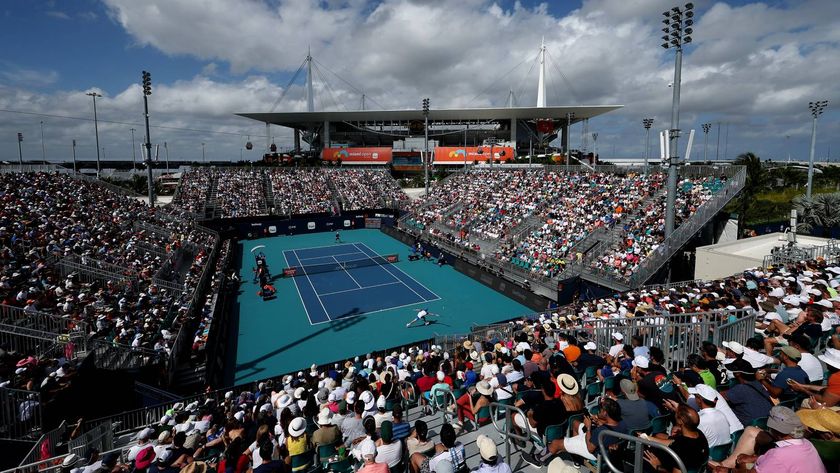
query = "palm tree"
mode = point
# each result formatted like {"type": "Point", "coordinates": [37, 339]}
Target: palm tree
{"type": "Point", "coordinates": [790, 176]}
{"type": "Point", "coordinates": [756, 181]}
{"type": "Point", "coordinates": [821, 210]}
{"type": "Point", "coordinates": [830, 176]}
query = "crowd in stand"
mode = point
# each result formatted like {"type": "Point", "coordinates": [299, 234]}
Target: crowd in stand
{"type": "Point", "coordinates": [240, 193]}
{"type": "Point", "coordinates": [770, 404]}
{"type": "Point", "coordinates": [155, 258]}
{"type": "Point", "coordinates": [577, 205]}
{"type": "Point", "coordinates": [193, 191]}
{"type": "Point", "coordinates": [300, 191]}
{"type": "Point", "coordinates": [643, 235]}
{"type": "Point", "coordinates": [367, 188]}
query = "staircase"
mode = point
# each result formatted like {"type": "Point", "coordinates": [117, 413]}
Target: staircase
{"type": "Point", "coordinates": [339, 202]}
{"type": "Point", "coordinates": [211, 206]}
{"type": "Point", "coordinates": [268, 194]}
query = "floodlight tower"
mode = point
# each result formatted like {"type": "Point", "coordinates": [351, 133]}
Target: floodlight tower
{"type": "Point", "coordinates": [816, 109]}
{"type": "Point", "coordinates": [426, 145]}
{"type": "Point", "coordinates": [678, 22]}
{"type": "Point", "coordinates": [647, 123]}
{"type": "Point", "coordinates": [147, 91]}
{"type": "Point", "coordinates": [96, 131]}
{"type": "Point", "coordinates": [706, 128]}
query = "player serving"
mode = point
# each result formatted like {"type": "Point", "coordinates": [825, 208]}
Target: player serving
{"type": "Point", "coordinates": [421, 317]}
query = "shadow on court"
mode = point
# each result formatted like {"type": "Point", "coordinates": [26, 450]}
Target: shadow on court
{"type": "Point", "coordinates": [343, 322]}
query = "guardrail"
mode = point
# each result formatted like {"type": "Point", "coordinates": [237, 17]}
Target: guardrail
{"type": "Point", "coordinates": [90, 270]}
{"type": "Point", "coordinates": [20, 413]}
{"type": "Point", "coordinates": [638, 449]}
{"type": "Point", "coordinates": [48, 323]}
{"type": "Point", "coordinates": [39, 343]}
{"type": "Point", "coordinates": [45, 446]}
{"type": "Point", "coordinates": [506, 430]}
{"type": "Point", "coordinates": [101, 437]}
{"type": "Point", "coordinates": [794, 253]}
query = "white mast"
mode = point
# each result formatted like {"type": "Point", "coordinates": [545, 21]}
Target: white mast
{"type": "Point", "coordinates": [310, 98]}
{"type": "Point", "coordinates": [541, 85]}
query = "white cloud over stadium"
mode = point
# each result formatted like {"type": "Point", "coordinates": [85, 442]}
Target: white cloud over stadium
{"type": "Point", "coordinates": [753, 66]}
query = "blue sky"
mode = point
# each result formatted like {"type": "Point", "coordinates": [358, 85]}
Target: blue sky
{"type": "Point", "coordinates": [214, 58]}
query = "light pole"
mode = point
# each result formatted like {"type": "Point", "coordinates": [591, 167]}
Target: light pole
{"type": "Point", "coordinates": [74, 156]}
{"type": "Point", "coordinates": [166, 150]}
{"type": "Point", "coordinates": [594, 148]}
{"type": "Point", "coordinates": [133, 152]}
{"type": "Point", "coordinates": [20, 150]}
{"type": "Point", "coordinates": [203, 156]}
{"type": "Point", "coordinates": [706, 128]}
{"type": "Point", "coordinates": [43, 148]}
{"type": "Point", "coordinates": [677, 31]}
{"type": "Point", "coordinates": [816, 109]}
{"type": "Point", "coordinates": [426, 145]}
{"type": "Point", "coordinates": [96, 130]}
{"type": "Point", "coordinates": [147, 91]}
{"type": "Point", "coordinates": [647, 123]}
{"type": "Point", "coordinates": [569, 117]}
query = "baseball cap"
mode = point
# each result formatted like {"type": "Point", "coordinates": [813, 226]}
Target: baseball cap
{"type": "Point", "coordinates": [783, 419]}
{"type": "Point", "coordinates": [791, 352]}
{"type": "Point", "coordinates": [629, 389]}
{"type": "Point", "coordinates": [741, 366]}
{"type": "Point", "coordinates": [617, 336]}
{"type": "Point", "coordinates": [705, 391]}
{"type": "Point", "coordinates": [641, 361]}
{"type": "Point", "coordinates": [487, 448]}
{"type": "Point", "coordinates": [736, 347]}
{"type": "Point", "coordinates": [590, 346]}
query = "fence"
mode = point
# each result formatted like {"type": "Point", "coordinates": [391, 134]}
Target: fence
{"type": "Point", "coordinates": [794, 253]}
{"type": "Point", "coordinates": [52, 324]}
{"type": "Point", "coordinates": [41, 344]}
{"type": "Point", "coordinates": [20, 413]}
{"type": "Point", "coordinates": [90, 270]}
{"type": "Point", "coordinates": [101, 437]}
{"type": "Point", "coordinates": [45, 447]}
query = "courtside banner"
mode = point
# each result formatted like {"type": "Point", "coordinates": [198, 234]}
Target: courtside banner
{"type": "Point", "coordinates": [358, 155]}
{"type": "Point", "coordinates": [449, 154]}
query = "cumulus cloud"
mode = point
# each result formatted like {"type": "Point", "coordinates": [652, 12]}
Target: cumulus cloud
{"type": "Point", "coordinates": [754, 66]}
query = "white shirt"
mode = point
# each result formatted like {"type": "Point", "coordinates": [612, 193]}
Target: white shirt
{"type": "Point", "coordinates": [812, 367]}
{"type": "Point", "coordinates": [756, 359]}
{"type": "Point", "coordinates": [389, 453]}
{"type": "Point", "coordinates": [714, 426]}
{"type": "Point", "coordinates": [615, 350]}
{"type": "Point", "coordinates": [723, 406]}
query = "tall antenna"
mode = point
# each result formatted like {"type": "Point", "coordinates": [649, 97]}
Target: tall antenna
{"type": "Point", "coordinates": [310, 98]}
{"type": "Point", "coordinates": [541, 84]}
{"type": "Point", "coordinates": [511, 99]}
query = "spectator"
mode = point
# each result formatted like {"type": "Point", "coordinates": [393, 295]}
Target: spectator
{"type": "Point", "coordinates": [368, 455]}
{"type": "Point", "coordinates": [779, 387]}
{"type": "Point", "coordinates": [388, 450]}
{"type": "Point", "coordinates": [449, 449]}
{"type": "Point", "coordinates": [327, 433]}
{"type": "Point", "coordinates": [687, 442]}
{"type": "Point", "coordinates": [635, 412]}
{"type": "Point", "coordinates": [418, 441]}
{"type": "Point", "coordinates": [490, 461]}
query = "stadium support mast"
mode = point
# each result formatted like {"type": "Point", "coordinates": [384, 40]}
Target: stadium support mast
{"type": "Point", "coordinates": [147, 91]}
{"type": "Point", "coordinates": [310, 99]}
{"type": "Point", "coordinates": [541, 84]}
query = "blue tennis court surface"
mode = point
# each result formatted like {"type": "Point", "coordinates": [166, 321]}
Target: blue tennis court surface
{"type": "Point", "coordinates": [351, 291]}
{"type": "Point", "coordinates": [337, 314]}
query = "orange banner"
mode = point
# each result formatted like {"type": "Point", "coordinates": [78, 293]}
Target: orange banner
{"type": "Point", "coordinates": [357, 155]}
{"type": "Point", "coordinates": [449, 154]}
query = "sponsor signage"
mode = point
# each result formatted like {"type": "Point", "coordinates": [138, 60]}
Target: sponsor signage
{"type": "Point", "coordinates": [450, 154]}
{"type": "Point", "coordinates": [358, 155]}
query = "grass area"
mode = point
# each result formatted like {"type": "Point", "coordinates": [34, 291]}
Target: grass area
{"type": "Point", "coordinates": [774, 205]}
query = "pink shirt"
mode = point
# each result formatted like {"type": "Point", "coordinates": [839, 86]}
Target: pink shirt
{"type": "Point", "coordinates": [791, 456]}
{"type": "Point", "coordinates": [376, 468]}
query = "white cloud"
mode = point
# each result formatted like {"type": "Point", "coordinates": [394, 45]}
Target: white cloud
{"type": "Point", "coordinates": [754, 66]}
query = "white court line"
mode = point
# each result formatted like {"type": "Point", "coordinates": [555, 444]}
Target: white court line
{"type": "Point", "coordinates": [437, 297]}
{"type": "Point", "coordinates": [406, 285]}
{"type": "Point", "coordinates": [361, 288]}
{"type": "Point", "coordinates": [347, 273]}
{"type": "Point", "coordinates": [313, 290]}
{"type": "Point", "coordinates": [323, 246]}
{"type": "Point", "coordinates": [340, 254]}
{"type": "Point", "coordinates": [298, 291]}
{"type": "Point", "coordinates": [375, 311]}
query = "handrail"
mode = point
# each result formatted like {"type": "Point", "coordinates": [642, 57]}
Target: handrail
{"type": "Point", "coordinates": [637, 457]}
{"type": "Point", "coordinates": [507, 433]}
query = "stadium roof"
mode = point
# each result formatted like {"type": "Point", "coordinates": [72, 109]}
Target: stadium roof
{"type": "Point", "coordinates": [300, 119]}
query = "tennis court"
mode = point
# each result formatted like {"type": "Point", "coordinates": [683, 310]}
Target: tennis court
{"type": "Point", "coordinates": [345, 280]}
{"type": "Point", "coordinates": [367, 301]}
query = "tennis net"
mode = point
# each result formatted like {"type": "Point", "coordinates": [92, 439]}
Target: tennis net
{"type": "Point", "coordinates": [310, 269]}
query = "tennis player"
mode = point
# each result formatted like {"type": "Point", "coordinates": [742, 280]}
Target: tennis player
{"type": "Point", "coordinates": [420, 317]}
{"type": "Point", "coordinates": [337, 237]}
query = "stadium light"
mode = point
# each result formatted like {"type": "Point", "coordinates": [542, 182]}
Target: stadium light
{"type": "Point", "coordinates": [96, 130]}
{"type": "Point", "coordinates": [426, 102]}
{"type": "Point", "coordinates": [20, 149]}
{"type": "Point", "coordinates": [647, 123]}
{"type": "Point", "coordinates": [706, 128]}
{"type": "Point", "coordinates": [816, 109]}
{"type": "Point", "coordinates": [147, 91]}
{"type": "Point", "coordinates": [679, 20]}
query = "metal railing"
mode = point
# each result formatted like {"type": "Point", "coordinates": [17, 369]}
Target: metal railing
{"type": "Point", "coordinates": [90, 270]}
{"type": "Point", "coordinates": [45, 446]}
{"type": "Point", "coordinates": [505, 412]}
{"type": "Point", "coordinates": [49, 323]}
{"type": "Point", "coordinates": [793, 253]}
{"type": "Point", "coordinates": [20, 413]}
{"type": "Point", "coordinates": [41, 344]}
{"type": "Point", "coordinates": [638, 449]}
{"type": "Point", "coordinates": [100, 437]}
{"type": "Point", "coordinates": [659, 287]}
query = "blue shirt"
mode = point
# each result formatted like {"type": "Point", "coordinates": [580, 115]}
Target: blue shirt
{"type": "Point", "coordinates": [795, 373]}
{"type": "Point", "coordinates": [749, 401]}
{"type": "Point", "coordinates": [400, 430]}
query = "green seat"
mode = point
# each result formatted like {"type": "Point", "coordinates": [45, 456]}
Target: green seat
{"type": "Point", "coordinates": [483, 416]}
{"type": "Point", "coordinates": [556, 431]}
{"type": "Point", "coordinates": [325, 452]}
{"type": "Point", "coordinates": [458, 393]}
{"type": "Point", "coordinates": [303, 461]}
{"type": "Point", "coordinates": [720, 452]}
{"type": "Point", "coordinates": [610, 383]}
{"type": "Point", "coordinates": [735, 436]}
{"type": "Point", "coordinates": [591, 373]}
{"type": "Point", "coordinates": [571, 424]}
{"type": "Point", "coordinates": [659, 424]}
{"type": "Point", "coordinates": [593, 392]}
{"type": "Point", "coordinates": [342, 466]}
{"type": "Point", "coordinates": [761, 422]}
{"type": "Point", "coordinates": [829, 453]}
